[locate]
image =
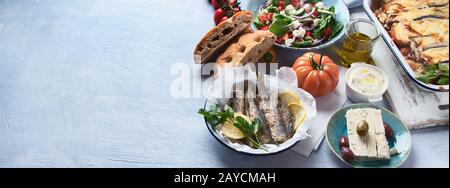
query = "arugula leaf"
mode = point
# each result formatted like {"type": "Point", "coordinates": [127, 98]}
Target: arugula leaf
{"type": "Point", "coordinates": [435, 74]}
{"type": "Point", "coordinates": [279, 27]}
{"type": "Point", "coordinates": [443, 67]}
{"type": "Point", "coordinates": [442, 81]}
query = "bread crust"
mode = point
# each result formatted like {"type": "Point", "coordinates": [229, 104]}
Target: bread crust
{"type": "Point", "coordinates": [214, 41]}
{"type": "Point", "coordinates": [248, 49]}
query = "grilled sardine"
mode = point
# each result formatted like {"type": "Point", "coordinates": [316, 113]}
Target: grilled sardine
{"type": "Point", "coordinates": [269, 110]}
{"type": "Point", "coordinates": [254, 113]}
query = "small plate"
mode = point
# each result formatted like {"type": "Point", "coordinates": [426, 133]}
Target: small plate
{"type": "Point", "coordinates": [337, 126]}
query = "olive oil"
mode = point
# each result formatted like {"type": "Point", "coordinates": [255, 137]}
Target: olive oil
{"type": "Point", "coordinates": [357, 47]}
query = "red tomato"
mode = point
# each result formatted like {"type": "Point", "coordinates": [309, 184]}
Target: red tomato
{"type": "Point", "coordinates": [270, 16]}
{"type": "Point", "coordinates": [280, 8]}
{"type": "Point", "coordinates": [215, 4]}
{"type": "Point", "coordinates": [265, 28]}
{"type": "Point", "coordinates": [285, 37]}
{"type": "Point", "coordinates": [308, 33]}
{"type": "Point", "coordinates": [218, 15]}
{"type": "Point", "coordinates": [263, 18]}
{"type": "Point", "coordinates": [281, 3]}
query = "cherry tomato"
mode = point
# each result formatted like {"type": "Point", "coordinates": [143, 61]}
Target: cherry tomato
{"type": "Point", "coordinates": [347, 154]}
{"type": "Point", "coordinates": [263, 18]}
{"type": "Point", "coordinates": [265, 28]}
{"type": "Point", "coordinates": [285, 36]}
{"type": "Point", "coordinates": [308, 33]}
{"type": "Point", "coordinates": [280, 8]}
{"type": "Point", "coordinates": [270, 16]}
{"type": "Point", "coordinates": [388, 131]}
{"type": "Point", "coordinates": [218, 15]}
{"type": "Point", "coordinates": [343, 142]}
{"type": "Point", "coordinates": [281, 3]}
{"type": "Point", "coordinates": [215, 4]}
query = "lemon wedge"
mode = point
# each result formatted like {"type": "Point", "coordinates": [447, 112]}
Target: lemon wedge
{"type": "Point", "coordinates": [299, 114]}
{"type": "Point", "coordinates": [231, 131]}
{"type": "Point", "coordinates": [288, 98]}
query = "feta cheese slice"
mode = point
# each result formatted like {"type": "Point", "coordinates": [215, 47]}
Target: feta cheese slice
{"type": "Point", "coordinates": [372, 146]}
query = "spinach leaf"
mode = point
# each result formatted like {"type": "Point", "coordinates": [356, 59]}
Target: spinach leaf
{"type": "Point", "coordinates": [279, 27]}
{"type": "Point", "coordinates": [323, 23]}
{"type": "Point", "coordinates": [336, 28]}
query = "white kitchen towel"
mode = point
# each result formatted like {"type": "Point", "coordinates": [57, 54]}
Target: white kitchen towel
{"type": "Point", "coordinates": [326, 106]}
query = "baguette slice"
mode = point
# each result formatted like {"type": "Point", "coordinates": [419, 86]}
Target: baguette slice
{"type": "Point", "coordinates": [248, 49]}
{"type": "Point", "coordinates": [221, 35]}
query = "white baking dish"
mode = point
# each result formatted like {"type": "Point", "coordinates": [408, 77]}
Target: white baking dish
{"type": "Point", "coordinates": [369, 7]}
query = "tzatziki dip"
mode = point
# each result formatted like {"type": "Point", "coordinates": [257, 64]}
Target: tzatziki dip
{"type": "Point", "coordinates": [366, 80]}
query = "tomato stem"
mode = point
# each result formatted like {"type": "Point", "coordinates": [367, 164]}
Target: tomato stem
{"type": "Point", "coordinates": [315, 65]}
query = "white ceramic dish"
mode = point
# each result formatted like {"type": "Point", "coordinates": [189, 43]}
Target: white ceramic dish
{"type": "Point", "coordinates": [355, 94]}
{"type": "Point", "coordinates": [371, 5]}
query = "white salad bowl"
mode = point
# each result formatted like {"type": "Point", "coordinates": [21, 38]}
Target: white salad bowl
{"type": "Point", "coordinates": [342, 16]}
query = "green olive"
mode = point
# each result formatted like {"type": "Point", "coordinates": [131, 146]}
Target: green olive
{"type": "Point", "coordinates": [362, 128]}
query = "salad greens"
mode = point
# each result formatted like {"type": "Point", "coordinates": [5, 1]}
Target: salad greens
{"type": "Point", "coordinates": [299, 23]}
{"type": "Point", "coordinates": [437, 73]}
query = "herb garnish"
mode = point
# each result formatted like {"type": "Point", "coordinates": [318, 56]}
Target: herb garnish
{"type": "Point", "coordinates": [435, 74]}
{"type": "Point", "coordinates": [214, 116]}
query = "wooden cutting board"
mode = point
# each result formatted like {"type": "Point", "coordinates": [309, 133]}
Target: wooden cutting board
{"type": "Point", "coordinates": [417, 108]}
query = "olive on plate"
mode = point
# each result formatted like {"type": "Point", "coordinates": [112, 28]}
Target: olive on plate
{"type": "Point", "coordinates": [388, 131]}
{"type": "Point", "coordinates": [343, 141]}
{"type": "Point", "coordinates": [362, 128]}
{"type": "Point", "coordinates": [347, 154]}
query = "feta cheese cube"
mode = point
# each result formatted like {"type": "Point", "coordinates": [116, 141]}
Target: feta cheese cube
{"type": "Point", "coordinates": [295, 24]}
{"type": "Point", "coordinates": [300, 32]}
{"type": "Point", "coordinates": [319, 5]}
{"type": "Point", "coordinates": [289, 42]}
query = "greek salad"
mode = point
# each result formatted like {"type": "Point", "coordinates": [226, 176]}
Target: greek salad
{"type": "Point", "coordinates": [299, 23]}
